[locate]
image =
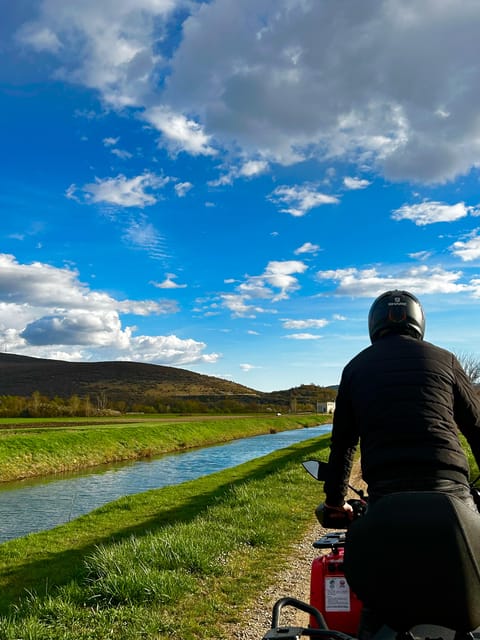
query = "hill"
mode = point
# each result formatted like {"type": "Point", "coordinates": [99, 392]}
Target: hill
{"type": "Point", "coordinates": [128, 386]}
{"type": "Point", "coordinates": [23, 375]}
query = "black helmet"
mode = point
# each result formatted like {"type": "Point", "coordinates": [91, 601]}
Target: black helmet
{"type": "Point", "coordinates": [396, 312]}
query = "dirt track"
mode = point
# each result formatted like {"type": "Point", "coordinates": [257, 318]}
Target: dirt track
{"type": "Point", "coordinates": [294, 581]}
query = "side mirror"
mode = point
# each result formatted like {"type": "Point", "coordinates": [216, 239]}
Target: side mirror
{"type": "Point", "coordinates": [316, 469]}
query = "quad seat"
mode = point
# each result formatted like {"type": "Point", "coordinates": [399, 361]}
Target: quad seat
{"type": "Point", "coordinates": [414, 559]}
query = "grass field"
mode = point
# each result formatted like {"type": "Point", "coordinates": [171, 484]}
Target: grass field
{"type": "Point", "coordinates": [179, 562]}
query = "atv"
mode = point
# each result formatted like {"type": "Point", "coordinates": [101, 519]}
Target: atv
{"type": "Point", "coordinates": [414, 557]}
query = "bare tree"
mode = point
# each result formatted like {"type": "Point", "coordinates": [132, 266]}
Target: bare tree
{"type": "Point", "coordinates": [471, 365]}
{"type": "Point", "coordinates": [102, 400]}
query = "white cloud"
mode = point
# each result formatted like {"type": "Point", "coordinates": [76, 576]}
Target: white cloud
{"type": "Point", "coordinates": [247, 367]}
{"type": "Point", "coordinates": [110, 142]}
{"type": "Point", "coordinates": [224, 180]}
{"type": "Point", "coordinates": [170, 350]}
{"type": "Point", "coordinates": [141, 234]}
{"type": "Point", "coordinates": [249, 169]}
{"type": "Point", "coordinates": [253, 168]}
{"type": "Point", "coordinates": [239, 305]}
{"type": "Point", "coordinates": [303, 336]}
{"type": "Point", "coordinates": [356, 183]}
{"type": "Point", "coordinates": [276, 283]}
{"type": "Point", "coordinates": [182, 188]}
{"type": "Point", "coordinates": [293, 81]}
{"type": "Point", "coordinates": [78, 327]}
{"type": "Point", "coordinates": [312, 323]}
{"type": "Point", "coordinates": [122, 154]}
{"type": "Point", "coordinates": [44, 308]}
{"type": "Point", "coordinates": [301, 79]}
{"type": "Point", "coordinates": [469, 250]}
{"type": "Point", "coordinates": [430, 212]}
{"type": "Point", "coordinates": [39, 38]}
{"type": "Point", "coordinates": [169, 283]}
{"type": "Point", "coordinates": [281, 275]}
{"type": "Point", "coordinates": [146, 307]}
{"type": "Point", "coordinates": [360, 283]}
{"type": "Point", "coordinates": [179, 132]}
{"type": "Point", "coordinates": [41, 286]}
{"type": "Point", "coordinates": [299, 200]}
{"type": "Point", "coordinates": [420, 255]}
{"type": "Point", "coordinates": [110, 46]}
{"type": "Point", "coordinates": [71, 193]}
{"type": "Point", "coordinates": [122, 191]}
{"type": "Point", "coordinates": [307, 247]}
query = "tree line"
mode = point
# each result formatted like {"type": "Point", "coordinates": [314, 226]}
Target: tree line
{"type": "Point", "coordinates": [38, 405]}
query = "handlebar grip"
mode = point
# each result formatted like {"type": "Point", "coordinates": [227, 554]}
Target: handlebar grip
{"type": "Point", "coordinates": [298, 604]}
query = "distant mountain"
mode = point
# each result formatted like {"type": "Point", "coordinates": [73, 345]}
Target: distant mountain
{"type": "Point", "coordinates": [23, 375]}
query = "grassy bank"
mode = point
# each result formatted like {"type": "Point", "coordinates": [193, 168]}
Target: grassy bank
{"type": "Point", "coordinates": [178, 562]}
{"type": "Point", "coordinates": [51, 449]}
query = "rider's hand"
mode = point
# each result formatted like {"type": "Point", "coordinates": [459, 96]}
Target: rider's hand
{"type": "Point", "coordinates": [345, 508]}
{"type": "Point", "coordinates": [334, 512]}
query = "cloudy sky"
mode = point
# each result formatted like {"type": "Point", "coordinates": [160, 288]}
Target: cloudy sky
{"type": "Point", "coordinates": [225, 186]}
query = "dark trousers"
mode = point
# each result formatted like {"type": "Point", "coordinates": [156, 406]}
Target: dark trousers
{"type": "Point", "coordinates": [451, 487]}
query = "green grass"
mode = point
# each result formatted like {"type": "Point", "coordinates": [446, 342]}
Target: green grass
{"type": "Point", "coordinates": [39, 451]}
{"type": "Point", "coordinates": [179, 562]}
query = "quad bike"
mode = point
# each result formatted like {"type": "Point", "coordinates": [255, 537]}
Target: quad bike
{"type": "Point", "coordinates": [414, 559]}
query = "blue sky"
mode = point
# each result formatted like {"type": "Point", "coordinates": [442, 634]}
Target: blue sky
{"type": "Point", "coordinates": [226, 186]}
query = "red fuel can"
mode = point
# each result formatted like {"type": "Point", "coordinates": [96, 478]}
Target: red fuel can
{"type": "Point", "coordinates": [331, 594]}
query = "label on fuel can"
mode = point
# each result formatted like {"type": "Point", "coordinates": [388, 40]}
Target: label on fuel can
{"type": "Point", "coordinates": [337, 594]}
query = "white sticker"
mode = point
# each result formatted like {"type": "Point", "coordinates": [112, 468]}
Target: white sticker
{"type": "Point", "coordinates": [337, 594]}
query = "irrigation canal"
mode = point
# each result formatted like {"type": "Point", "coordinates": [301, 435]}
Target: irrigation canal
{"type": "Point", "coordinates": [36, 505]}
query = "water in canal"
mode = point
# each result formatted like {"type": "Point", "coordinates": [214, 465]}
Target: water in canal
{"type": "Point", "coordinates": [36, 505]}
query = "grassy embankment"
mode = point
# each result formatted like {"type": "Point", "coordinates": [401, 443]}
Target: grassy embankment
{"type": "Point", "coordinates": [27, 451]}
{"type": "Point", "coordinates": [179, 562]}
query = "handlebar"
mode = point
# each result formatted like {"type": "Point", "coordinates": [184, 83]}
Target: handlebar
{"type": "Point", "coordinates": [298, 604]}
{"type": "Point", "coordinates": [278, 632]}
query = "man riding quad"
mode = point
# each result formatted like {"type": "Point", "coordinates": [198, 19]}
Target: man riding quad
{"type": "Point", "coordinates": [405, 401]}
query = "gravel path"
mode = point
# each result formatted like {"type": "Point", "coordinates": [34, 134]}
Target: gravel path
{"type": "Point", "coordinates": [293, 581]}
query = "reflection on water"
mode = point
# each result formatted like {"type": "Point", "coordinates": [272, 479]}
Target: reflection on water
{"type": "Point", "coordinates": [36, 505]}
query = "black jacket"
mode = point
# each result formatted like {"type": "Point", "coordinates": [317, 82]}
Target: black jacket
{"type": "Point", "coordinates": [403, 399]}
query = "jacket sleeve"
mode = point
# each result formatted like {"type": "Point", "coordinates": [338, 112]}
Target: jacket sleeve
{"type": "Point", "coordinates": [342, 449]}
{"type": "Point", "coordinates": [467, 409]}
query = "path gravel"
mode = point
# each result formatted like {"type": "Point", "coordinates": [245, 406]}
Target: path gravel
{"type": "Point", "coordinates": [293, 581]}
